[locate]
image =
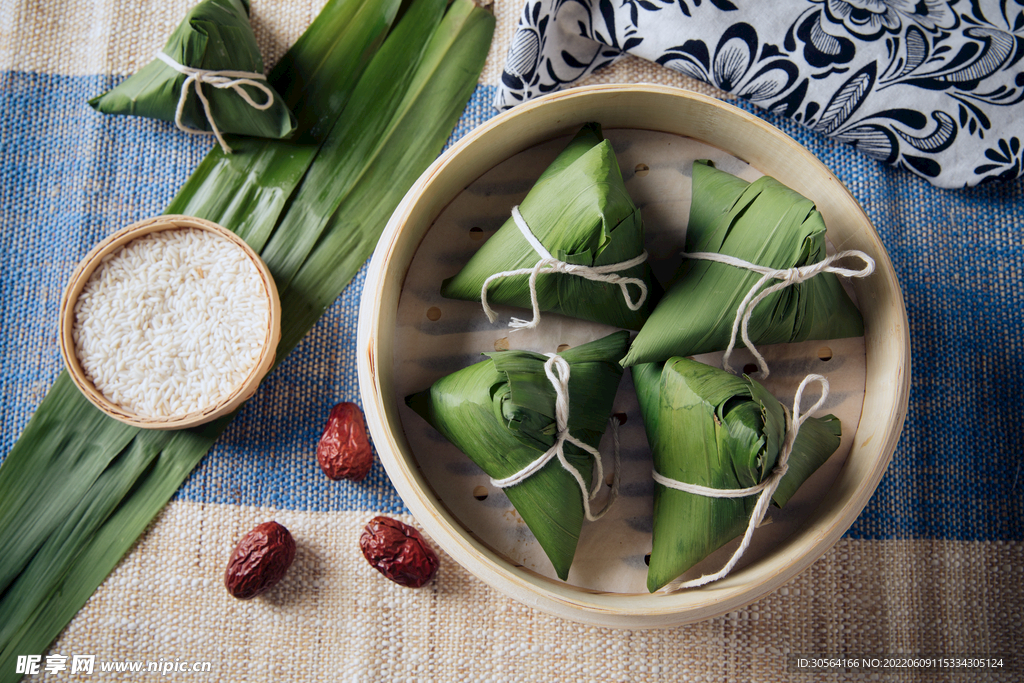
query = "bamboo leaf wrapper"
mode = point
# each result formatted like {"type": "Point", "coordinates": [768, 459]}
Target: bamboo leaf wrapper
{"type": "Point", "coordinates": [764, 223]}
{"type": "Point", "coordinates": [580, 212]}
{"type": "Point", "coordinates": [710, 428]}
{"type": "Point", "coordinates": [501, 413]}
{"type": "Point", "coordinates": [103, 481]}
{"type": "Point", "coordinates": [214, 36]}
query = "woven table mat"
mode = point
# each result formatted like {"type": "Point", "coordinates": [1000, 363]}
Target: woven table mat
{"type": "Point", "coordinates": [934, 566]}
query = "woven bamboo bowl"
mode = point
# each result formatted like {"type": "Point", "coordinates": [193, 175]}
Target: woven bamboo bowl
{"type": "Point", "coordinates": [669, 110]}
{"type": "Point", "coordinates": [92, 261]}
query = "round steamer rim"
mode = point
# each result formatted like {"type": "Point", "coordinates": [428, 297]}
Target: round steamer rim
{"type": "Point", "coordinates": [671, 110]}
{"type": "Point", "coordinates": [88, 265]}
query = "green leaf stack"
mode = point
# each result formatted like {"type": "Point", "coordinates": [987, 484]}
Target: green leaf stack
{"type": "Point", "coordinates": [708, 427]}
{"type": "Point", "coordinates": [78, 488]}
{"type": "Point", "coordinates": [580, 211]}
{"type": "Point", "coordinates": [764, 223]}
{"type": "Point", "coordinates": [214, 36]}
{"type": "Point", "coordinates": [501, 413]}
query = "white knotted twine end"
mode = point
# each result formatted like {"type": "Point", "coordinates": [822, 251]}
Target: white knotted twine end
{"type": "Point", "coordinates": [549, 264]}
{"type": "Point", "coordinates": [787, 277]}
{"type": "Point", "coordinates": [220, 80]}
{"type": "Point", "coordinates": [557, 370]}
{"type": "Point", "coordinates": [766, 488]}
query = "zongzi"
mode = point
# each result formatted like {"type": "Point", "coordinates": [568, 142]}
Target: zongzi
{"type": "Point", "coordinates": [709, 428]}
{"type": "Point", "coordinates": [208, 79]}
{"type": "Point", "coordinates": [533, 423]}
{"type": "Point", "coordinates": [575, 245]}
{"type": "Point", "coordinates": [757, 232]}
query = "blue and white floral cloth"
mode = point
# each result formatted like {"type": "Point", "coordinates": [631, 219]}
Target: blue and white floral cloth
{"type": "Point", "coordinates": [934, 87]}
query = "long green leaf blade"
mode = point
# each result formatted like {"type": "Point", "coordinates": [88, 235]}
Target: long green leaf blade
{"type": "Point", "coordinates": [245, 192]}
{"type": "Point", "coordinates": [64, 448]}
{"type": "Point", "coordinates": [368, 121]}
{"type": "Point", "coordinates": [48, 566]}
{"type": "Point", "coordinates": [437, 96]}
{"type": "Point", "coordinates": [79, 566]}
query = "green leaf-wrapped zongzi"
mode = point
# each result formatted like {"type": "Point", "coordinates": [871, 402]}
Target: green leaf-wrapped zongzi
{"type": "Point", "coordinates": [210, 67]}
{"type": "Point", "coordinates": [501, 412]}
{"type": "Point", "coordinates": [709, 428]}
{"type": "Point", "coordinates": [763, 223]}
{"type": "Point", "coordinates": [581, 217]}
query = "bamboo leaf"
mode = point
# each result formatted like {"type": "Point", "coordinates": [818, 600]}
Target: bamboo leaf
{"type": "Point", "coordinates": [72, 566]}
{"type": "Point", "coordinates": [580, 211]}
{"type": "Point", "coordinates": [216, 36]}
{"type": "Point", "coordinates": [500, 412]}
{"type": "Point", "coordinates": [66, 428]}
{"type": "Point", "coordinates": [710, 428]}
{"type": "Point", "coordinates": [63, 450]}
{"type": "Point", "coordinates": [423, 121]}
{"type": "Point", "coordinates": [46, 568]}
{"type": "Point", "coordinates": [764, 223]}
{"type": "Point", "coordinates": [369, 120]}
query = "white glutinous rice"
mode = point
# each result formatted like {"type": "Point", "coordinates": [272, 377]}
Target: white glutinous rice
{"type": "Point", "coordinates": [172, 322]}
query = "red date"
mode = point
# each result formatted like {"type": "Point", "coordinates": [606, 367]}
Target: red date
{"type": "Point", "coordinates": [398, 552]}
{"type": "Point", "coordinates": [344, 451]}
{"type": "Point", "coordinates": [259, 560]}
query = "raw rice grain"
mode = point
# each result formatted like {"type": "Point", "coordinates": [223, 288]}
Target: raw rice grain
{"type": "Point", "coordinates": [171, 323]}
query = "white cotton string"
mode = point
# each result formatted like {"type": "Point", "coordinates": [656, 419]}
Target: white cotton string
{"type": "Point", "coordinates": [766, 488]}
{"type": "Point", "coordinates": [560, 381]}
{"type": "Point", "coordinates": [549, 264]}
{"type": "Point", "coordinates": [788, 276]}
{"type": "Point", "coordinates": [220, 80]}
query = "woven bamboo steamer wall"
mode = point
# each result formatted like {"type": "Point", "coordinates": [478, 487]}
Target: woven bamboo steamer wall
{"type": "Point", "coordinates": [81, 276]}
{"type": "Point", "coordinates": [750, 139]}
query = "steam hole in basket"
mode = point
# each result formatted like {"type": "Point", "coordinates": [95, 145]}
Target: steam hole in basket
{"type": "Point", "coordinates": [647, 559]}
{"type": "Point", "coordinates": [825, 353]}
{"type": "Point", "coordinates": [480, 493]}
{"type": "Point", "coordinates": [621, 417]}
{"type": "Point", "coordinates": [476, 233]}
{"type": "Point", "coordinates": [501, 344]}
{"type": "Point", "coordinates": [562, 347]}
{"type": "Point", "coordinates": [749, 369]}
{"type": "Point", "coordinates": [433, 313]}
{"type": "Point", "coordinates": [642, 169]}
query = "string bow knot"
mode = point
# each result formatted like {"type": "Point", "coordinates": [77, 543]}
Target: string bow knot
{"type": "Point", "coordinates": [766, 488]}
{"type": "Point", "coordinates": [549, 264]}
{"type": "Point", "coordinates": [787, 277]}
{"type": "Point", "coordinates": [235, 80]}
{"type": "Point", "coordinates": [557, 371]}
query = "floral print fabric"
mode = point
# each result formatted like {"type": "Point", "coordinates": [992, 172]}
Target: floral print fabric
{"type": "Point", "coordinates": [930, 86]}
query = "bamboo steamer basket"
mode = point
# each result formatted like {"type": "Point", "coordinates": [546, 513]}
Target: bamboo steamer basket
{"type": "Point", "coordinates": [686, 114]}
{"type": "Point", "coordinates": [92, 261]}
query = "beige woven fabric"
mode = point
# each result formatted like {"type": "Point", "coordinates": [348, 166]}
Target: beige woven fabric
{"type": "Point", "coordinates": [335, 618]}
{"type": "Point", "coordinates": [80, 37]}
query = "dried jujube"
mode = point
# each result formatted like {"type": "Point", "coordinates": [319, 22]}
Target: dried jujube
{"type": "Point", "coordinates": [259, 561]}
{"type": "Point", "coordinates": [398, 552]}
{"type": "Point", "coordinates": [344, 451]}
